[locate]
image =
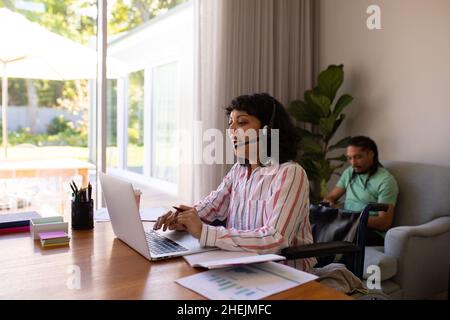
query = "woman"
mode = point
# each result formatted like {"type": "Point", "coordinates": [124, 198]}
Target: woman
{"type": "Point", "coordinates": [254, 209]}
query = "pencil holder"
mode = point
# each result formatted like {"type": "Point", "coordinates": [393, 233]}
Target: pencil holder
{"type": "Point", "coordinates": [82, 215]}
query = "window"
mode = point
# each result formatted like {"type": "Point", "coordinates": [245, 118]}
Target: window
{"type": "Point", "coordinates": [158, 56]}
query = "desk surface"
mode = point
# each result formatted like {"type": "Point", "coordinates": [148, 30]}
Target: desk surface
{"type": "Point", "coordinates": [109, 269]}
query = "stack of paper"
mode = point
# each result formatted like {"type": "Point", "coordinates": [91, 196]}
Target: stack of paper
{"type": "Point", "coordinates": [222, 259]}
{"type": "Point", "coordinates": [41, 225]}
{"type": "Point", "coordinates": [246, 282]}
{"type": "Point", "coordinates": [54, 238]}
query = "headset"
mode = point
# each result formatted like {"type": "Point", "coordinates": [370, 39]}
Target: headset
{"type": "Point", "coordinates": [266, 134]}
{"type": "Point", "coordinates": [266, 129]}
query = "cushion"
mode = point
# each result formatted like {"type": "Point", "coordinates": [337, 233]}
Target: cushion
{"type": "Point", "coordinates": [375, 256]}
{"type": "Point", "coordinates": [392, 289]}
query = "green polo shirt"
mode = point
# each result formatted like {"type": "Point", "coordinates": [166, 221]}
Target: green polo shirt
{"type": "Point", "coordinates": [381, 188]}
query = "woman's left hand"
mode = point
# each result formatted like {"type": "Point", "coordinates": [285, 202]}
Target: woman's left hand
{"type": "Point", "coordinates": [190, 219]}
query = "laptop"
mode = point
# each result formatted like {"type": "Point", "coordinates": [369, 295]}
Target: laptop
{"type": "Point", "coordinates": [128, 227]}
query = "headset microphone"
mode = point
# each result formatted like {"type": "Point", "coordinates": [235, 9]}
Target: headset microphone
{"type": "Point", "coordinates": [246, 142]}
{"type": "Point", "coordinates": [266, 133]}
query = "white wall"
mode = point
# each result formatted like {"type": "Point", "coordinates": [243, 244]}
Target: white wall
{"type": "Point", "coordinates": [164, 38]}
{"type": "Point", "coordinates": [399, 76]}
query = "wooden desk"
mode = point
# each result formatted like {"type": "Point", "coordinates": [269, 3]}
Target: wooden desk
{"type": "Point", "coordinates": [109, 270]}
{"type": "Point", "coordinates": [43, 168]}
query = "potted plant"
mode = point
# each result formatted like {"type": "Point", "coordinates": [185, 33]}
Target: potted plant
{"type": "Point", "coordinates": [323, 116]}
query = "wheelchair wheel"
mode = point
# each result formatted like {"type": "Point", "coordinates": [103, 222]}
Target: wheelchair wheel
{"type": "Point", "coordinates": [374, 296]}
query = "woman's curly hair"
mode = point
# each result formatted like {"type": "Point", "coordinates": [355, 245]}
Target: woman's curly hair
{"type": "Point", "coordinates": [263, 106]}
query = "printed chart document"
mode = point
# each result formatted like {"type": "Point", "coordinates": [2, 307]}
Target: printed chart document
{"type": "Point", "coordinates": [221, 258]}
{"type": "Point", "coordinates": [147, 214]}
{"type": "Point", "coordinates": [246, 282]}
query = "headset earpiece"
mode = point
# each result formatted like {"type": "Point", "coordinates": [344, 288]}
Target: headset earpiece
{"type": "Point", "coordinates": [266, 134]}
{"type": "Point", "coordinates": [266, 129]}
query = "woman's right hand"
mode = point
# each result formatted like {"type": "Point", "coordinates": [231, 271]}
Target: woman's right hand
{"type": "Point", "coordinates": [168, 221]}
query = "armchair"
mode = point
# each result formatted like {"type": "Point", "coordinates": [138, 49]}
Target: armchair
{"type": "Point", "coordinates": [415, 259]}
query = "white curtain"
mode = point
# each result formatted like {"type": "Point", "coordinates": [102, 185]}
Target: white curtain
{"type": "Point", "coordinates": [248, 46]}
{"type": "Point", "coordinates": [164, 121]}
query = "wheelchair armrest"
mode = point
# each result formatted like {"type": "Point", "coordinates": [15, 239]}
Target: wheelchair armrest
{"type": "Point", "coordinates": [319, 250]}
{"type": "Point", "coordinates": [373, 206]}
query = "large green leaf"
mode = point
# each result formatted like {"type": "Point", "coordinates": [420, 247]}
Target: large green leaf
{"type": "Point", "coordinates": [320, 165]}
{"type": "Point", "coordinates": [336, 126]}
{"type": "Point", "coordinates": [310, 168]}
{"type": "Point", "coordinates": [312, 156]}
{"type": "Point", "coordinates": [326, 125]}
{"type": "Point", "coordinates": [306, 133]}
{"type": "Point", "coordinates": [343, 143]}
{"type": "Point", "coordinates": [311, 145]}
{"type": "Point", "coordinates": [343, 101]}
{"type": "Point", "coordinates": [330, 80]}
{"type": "Point", "coordinates": [323, 188]}
{"type": "Point", "coordinates": [304, 112]}
{"type": "Point", "coordinates": [325, 169]}
{"type": "Point", "coordinates": [319, 101]}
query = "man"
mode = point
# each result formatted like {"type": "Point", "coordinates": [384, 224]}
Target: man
{"type": "Point", "coordinates": [366, 181]}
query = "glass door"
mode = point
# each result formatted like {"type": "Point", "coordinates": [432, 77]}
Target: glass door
{"type": "Point", "coordinates": [48, 74]}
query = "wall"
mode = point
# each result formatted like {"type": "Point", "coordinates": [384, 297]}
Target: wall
{"type": "Point", "coordinates": [399, 75]}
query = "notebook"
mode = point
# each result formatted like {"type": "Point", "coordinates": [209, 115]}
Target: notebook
{"type": "Point", "coordinates": [54, 238]}
{"type": "Point", "coordinates": [16, 222]}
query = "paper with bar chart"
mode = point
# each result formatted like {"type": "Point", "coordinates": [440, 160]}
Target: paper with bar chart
{"type": "Point", "coordinates": [246, 282]}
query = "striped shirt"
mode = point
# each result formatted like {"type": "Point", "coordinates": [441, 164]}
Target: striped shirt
{"type": "Point", "coordinates": [264, 212]}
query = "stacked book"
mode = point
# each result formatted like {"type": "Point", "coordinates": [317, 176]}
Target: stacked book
{"type": "Point", "coordinates": [54, 238]}
{"type": "Point", "coordinates": [16, 222]}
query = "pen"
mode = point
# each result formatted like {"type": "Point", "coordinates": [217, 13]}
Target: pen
{"type": "Point", "coordinates": [75, 186]}
{"type": "Point", "coordinates": [178, 209]}
{"type": "Point", "coordinates": [71, 187]}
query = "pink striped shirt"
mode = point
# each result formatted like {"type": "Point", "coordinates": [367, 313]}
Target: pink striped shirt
{"type": "Point", "coordinates": [264, 213]}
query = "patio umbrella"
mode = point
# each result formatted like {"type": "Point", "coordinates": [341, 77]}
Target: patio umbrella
{"type": "Point", "coordinates": [27, 50]}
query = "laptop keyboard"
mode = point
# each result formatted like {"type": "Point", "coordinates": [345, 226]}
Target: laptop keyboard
{"type": "Point", "coordinates": [162, 245]}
